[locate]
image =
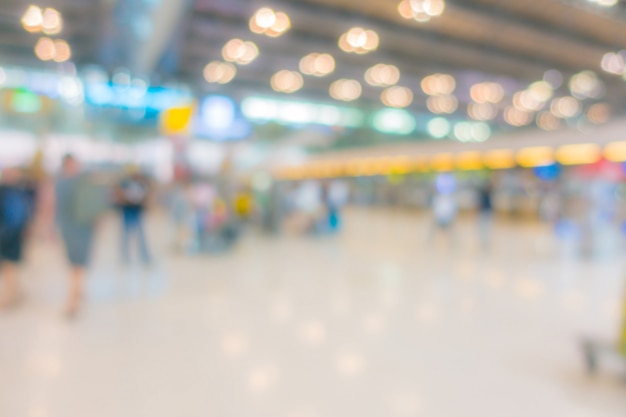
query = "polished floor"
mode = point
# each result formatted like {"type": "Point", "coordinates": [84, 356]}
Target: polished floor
{"type": "Point", "coordinates": [378, 321]}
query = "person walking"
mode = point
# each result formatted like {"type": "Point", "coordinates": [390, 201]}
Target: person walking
{"type": "Point", "coordinates": [132, 195]}
{"type": "Point", "coordinates": [76, 219]}
{"type": "Point", "coordinates": [16, 208]}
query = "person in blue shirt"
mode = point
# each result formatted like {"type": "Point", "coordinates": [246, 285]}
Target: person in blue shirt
{"type": "Point", "coordinates": [16, 208]}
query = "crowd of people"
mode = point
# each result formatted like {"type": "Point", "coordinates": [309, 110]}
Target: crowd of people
{"type": "Point", "coordinates": [80, 199]}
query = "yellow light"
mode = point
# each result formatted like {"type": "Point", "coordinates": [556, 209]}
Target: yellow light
{"type": "Point", "coordinates": [396, 96]}
{"type": "Point", "coordinates": [487, 92]}
{"type": "Point", "coordinates": [52, 23]}
{"type": "Point", "coordinates": [45, 49]}
{"type": "Point", "coordinates": [442, 162]}
{"type": "Point", "coordinates": [265, 18]}
{"type": "Point", "coordinates": [547, 121]}
{"type": "Point", "coordinates": [287, 81]}
{"type": "Point", "coordinates": [499, 159]}
{"type": "Point", "coordinates": [317, 64]}
{"type": "Point", "coordinates": [599, 113]}
{"type": "Point", "coordinates": [615, 151]}
{"type": "Point", "coordinates": [442, 104]}
{"type": "Point", "coordinates": [565, 107]}
{"type": "Point", "coordinates": [516, 117]}
{"type": "Point", "coordinates": [382, 75]}
{"type": "Point", "coordinates": [32, 20]}
{"type": "Point", "coordinates": [438, 84]}
{"type": "Point", "coordinates": [358, 40]}
{"type": "Point", "coordinates": [469, 161]}
{"type": "Point", "coordinates": [421, 10]}
{"type": "Point", "coordinates": [482, 111]}
{"type": "Point", "coordinates": [62, 51]}
{"type": "Point", "coordinates": [219, 72]}
{"type": "Point", "coordinates": [580, 154]}
{"type": "Point", "coordinates": [535, 156]}
{"type": "Point", "coordinates": [345, 90]}
{"type": "Point", "coordinates": [268, 22]}
{"type": "Point", "coordinates": [240, 52]}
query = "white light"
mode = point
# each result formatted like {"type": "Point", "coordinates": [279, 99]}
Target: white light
{"type": "Point", "coordinates": [442, 104]}
{"type": "Point", "coordinates": [240, 52]}
{"type": "Point", "coordinates": [287, 81]}
{"type": "Point", "coordinates": [438, 127]}
{"type": "Point", "coordinates": [268, 22]}
{"type": "Point", "coordinates": [358, 40]}
{"type": "Point", "coordinates": [317, 64]}
{"type": "Point", "coordinates": [32, 19]}
{"type": "Point", "coordinates": [613, 63]}
{"type": "Point", "coordinates": [565, 107]}
{"type": "Point", "coordinates": [52, 23]}
{"type": "Point", "coordinates": [480, 132]}
{"type": "Point", "coordinates": [438, 84]}
{"type": "Point", "coordinates": [421, 10]}
{"type": "Point", "coordinates": [586, 84]}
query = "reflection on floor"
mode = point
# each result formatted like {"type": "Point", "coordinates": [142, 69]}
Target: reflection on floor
{"type": "Point", "coordinates": [377, 321]}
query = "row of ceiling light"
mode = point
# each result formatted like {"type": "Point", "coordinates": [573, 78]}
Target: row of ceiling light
{"type": "Point", "coordinates": [48, 21]}
{"type": "Point", "coordinates": [486, 96]}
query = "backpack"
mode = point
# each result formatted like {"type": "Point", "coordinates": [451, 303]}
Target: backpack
{"type": "Point", "coordinates": [16, 209]}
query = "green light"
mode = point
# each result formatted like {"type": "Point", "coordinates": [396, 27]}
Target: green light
{"type": "Point", "coordinates": [24, 101]}
{"type": "Point", "coordinates": [393, 121]}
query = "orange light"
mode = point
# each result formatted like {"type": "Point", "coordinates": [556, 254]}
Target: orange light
{"type": "Point", "coordinates": [499, 159]}
{"type": "Point", "coordinates": [535, 156]}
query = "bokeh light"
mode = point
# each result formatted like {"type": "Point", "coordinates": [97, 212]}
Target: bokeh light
{"type": "Point", "coordinates": [382, 75]}
{"type": "Point", "coordinates": [318, 65]}
{"type": "Point", "coordinates": [240, 52]}
{"type": "Point", "coordinates": [285, 81]}
{"type": "Point", "coordinates": [421, 11]}
{"type": "Point", "coordinates": [219, 72]}
{"type": "Point", "coordinates": [438, 84]}
{"type": "Point", "coordinates": [345, 90]}
{"type": "Point", "coordinates": [397, 97]}
{"type": "Point", "coordinates": [358, 40]}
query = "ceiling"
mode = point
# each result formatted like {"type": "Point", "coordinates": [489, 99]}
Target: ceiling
{"type": "Point", "coordinates": [510, 41]}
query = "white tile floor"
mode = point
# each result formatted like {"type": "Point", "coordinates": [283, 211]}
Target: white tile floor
{"type": "Point", "coordinates": [374, 322]}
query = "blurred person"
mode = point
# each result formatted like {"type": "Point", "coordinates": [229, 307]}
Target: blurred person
{"type": "Point", "coordinates": [16, 208]}
{"type": "Point", "coordinates": [444, 204]}
{"type": "Point", "coordinates": [485, 208]}
{"type": "Point", "coordinates": [132, 194]}
{"type": "Point", "coordinates": [181, 213]}
{"type": "Point", "coordinates": [76, 220]}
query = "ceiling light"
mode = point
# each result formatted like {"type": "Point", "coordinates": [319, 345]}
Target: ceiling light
{"type": "Point", "coordinates": [565, 107]}
{"type": "Point", "coordinates": [240, 52]}
{"type": "Point", "coordinates": [382, 75]}
{"type": "Point", "coordinates": [52, 23]}
{"type": "Point", "coordinates": [442, 104]}
{"type": "Point", "coordinates": [45, 49]}
{"type": "Point", "coordinates": [599, 113]}
{"type": "Point", "coordinates": [62, 51]}
{"type": "Point", "coordinates": [516, 117]}
{"type": "Point", "coordinates": [438, 127]}
{"type": "Point", "coordinates": [397, 97]}
{"type": "Point", "coordinates": [287, 81]}
{"type": "Point", "coordinates": [438, 84]}
{"type": "Point", "coordinates": [318, 65]}
{"type": "Point", "coordinates": [604, 3]}
{"type": "Point", "coordinates": [268, 22]}
{"type": "Point", "coordinates": [358, 40]}
{"type": "Point", "coordinates": [219, 72]}
{"type": "Point", "coordinates": [32, 19]}
{"type": "Point", "coordinates": [547, 121]}
{"type": "Point", "coordinates": [487, 92]}
{"type": "Point", "coordinates": [586, 84]}
{"type": "Point", "coordinates": [482, 111]}
{"type": "Point", "coordinates": [345, 90]}
{"type": "Point", "coordinates": [421, 10]}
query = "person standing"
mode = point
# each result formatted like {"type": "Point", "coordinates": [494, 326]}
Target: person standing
{"type": "Point", "coordinates": [16, 208]}
{"type": "Point", "coordinates": [485, 206]}
{"type": "Point", "coordinates": [132, 195]}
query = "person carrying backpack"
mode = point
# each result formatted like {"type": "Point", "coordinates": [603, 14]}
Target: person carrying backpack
{"type": "Point", "coordinates": [16, 207]}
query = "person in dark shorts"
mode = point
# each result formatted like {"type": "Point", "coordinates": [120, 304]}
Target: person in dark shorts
{"type": "Point", "coordinates": [132, 194]}
{"type": "Point", "coordinates": [16, 207]}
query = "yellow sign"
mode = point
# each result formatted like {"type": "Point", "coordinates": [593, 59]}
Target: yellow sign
{"type": "Point", "coordinates": [176, 120]}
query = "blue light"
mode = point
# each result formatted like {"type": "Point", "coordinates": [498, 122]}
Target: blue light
{"type": "Point", "coordinates": [218, 119]}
